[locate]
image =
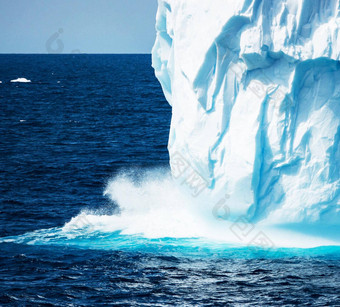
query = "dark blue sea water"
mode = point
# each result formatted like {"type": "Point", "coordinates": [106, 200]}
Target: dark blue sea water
{"type": "Point", "coordinates": [81, 120]}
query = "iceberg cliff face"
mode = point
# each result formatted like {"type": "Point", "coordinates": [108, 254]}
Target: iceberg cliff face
{"type": "Point", "coordinates": [255, 92]}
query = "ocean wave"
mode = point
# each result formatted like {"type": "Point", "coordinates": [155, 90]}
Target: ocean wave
{"type": "Point", "coordinates": [151, 205]}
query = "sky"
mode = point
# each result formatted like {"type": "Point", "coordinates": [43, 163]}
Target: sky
{"type": "Point", "coordinates": [77, 26]}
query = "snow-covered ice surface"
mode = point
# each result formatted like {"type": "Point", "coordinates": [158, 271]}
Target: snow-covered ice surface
{"type": "Point", "coordinates": [255, 94]}
{"type": "Point", "coordinates": [21, 80]}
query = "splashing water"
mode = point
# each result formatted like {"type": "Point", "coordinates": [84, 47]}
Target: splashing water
{"type": "Point", "coordinates": [153, 211]}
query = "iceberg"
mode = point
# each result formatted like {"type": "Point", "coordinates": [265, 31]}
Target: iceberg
{"type": "Point", "coordinates": [254, 139]}
{"type": "Point", "coordinates": [254, 87]}
{"type": "Point", "coordinates": [21, 80]}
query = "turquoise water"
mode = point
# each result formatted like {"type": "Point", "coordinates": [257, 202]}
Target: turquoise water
{"type": "Point", "coordinates": [183, 247]}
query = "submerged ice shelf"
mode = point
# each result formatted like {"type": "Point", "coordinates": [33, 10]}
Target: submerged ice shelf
{"type": "Point", "coordinates": [255, 93]}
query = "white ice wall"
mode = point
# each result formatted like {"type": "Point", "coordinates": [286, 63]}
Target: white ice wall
{"type": "Point", "coordinates": [255, 92]}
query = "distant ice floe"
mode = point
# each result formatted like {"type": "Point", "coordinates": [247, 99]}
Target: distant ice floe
{"type": "Point", "coordinates": [21, 80]}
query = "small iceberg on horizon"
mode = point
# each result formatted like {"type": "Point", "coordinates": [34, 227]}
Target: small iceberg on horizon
{"type": "Point", "coordinates": [21, 80]}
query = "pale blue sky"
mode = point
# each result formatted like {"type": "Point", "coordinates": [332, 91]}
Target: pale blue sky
{"type": "Point", "coordinates": [88, 26]}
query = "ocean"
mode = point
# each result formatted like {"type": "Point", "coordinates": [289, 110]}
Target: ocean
{"type": "Point", "coordinates": [81, 122]}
